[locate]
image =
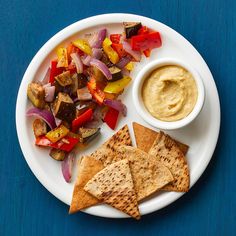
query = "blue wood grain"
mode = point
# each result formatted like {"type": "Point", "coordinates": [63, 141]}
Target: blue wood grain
{"type": "Point", "coordinates": [27, 208]}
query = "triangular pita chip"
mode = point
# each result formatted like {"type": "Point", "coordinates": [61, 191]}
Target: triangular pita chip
{"type": "Point", "coordinates": [114, 186]}
{"type": "Point", "coordinates": [145, 138]}
{"type": "Point", "coordinates": [106, 153]}
{"type": "Point", "coordinates": [149, 174]}
{"type": "Point", "coordinates": [167, 151]}
{"type": "Point", "coordinates": [87, 168]}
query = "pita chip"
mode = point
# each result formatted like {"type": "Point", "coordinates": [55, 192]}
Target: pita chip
{"type": "Point", "coordinates": [88, 167]}
{"type": "Point", "coordinates": [149, 174]}
{"type": "Point", "coordinates": [91, 165]}
{"type": "Point", "coordinates": [114, 186]}
{"type": "Point", "coordinates": [106, 153]}
{"type": "Point", "coordinates": [169, 154]}
{"type": "Point", "coordinates": [145, 137]}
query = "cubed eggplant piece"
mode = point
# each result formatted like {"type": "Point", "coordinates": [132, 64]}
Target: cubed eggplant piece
{"type": "Point", "coordinates": [36, 94]}
{"type": "Point", "coordinates": [87, 134]}
{"type": "Point", "coordinates": [82, 106]}
{"type": "Point", "coordinates": [132, 28]}
{"type": "Point", "coordinates": [75, 84]}
{"type": "Point", "coordinates": [64, 79]}
{"type": "Point", "coordinates": [82, 80]}
{"type": "Point", "coordinates": [105, 59]}
{"type": "Point", "coordinates": [64, 107]}
{"type": "Point", "coordinates": [116, 73]}
{"type": "Point", "coordinates": [83, 94]}
{"type": "Point", "coordinates": [57, 154]}
{"type": "Point", "coordinates": [39, 127]}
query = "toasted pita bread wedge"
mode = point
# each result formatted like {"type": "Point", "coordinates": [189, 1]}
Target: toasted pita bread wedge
{"type": "Point", "coordinates": [106, 152]}
{"type": "Point", "coordinates": [88, 167]}
{"type": "Point", "coordinates": [149, 174]}
{"type": "Point", "coordinates": [145, 138]}
{"type": "Point", "coordinates": [114, 186]}
{"type": "Point", "coordinates": [169, 154]}
{"type": "Point", "coordinates": [91, 165]}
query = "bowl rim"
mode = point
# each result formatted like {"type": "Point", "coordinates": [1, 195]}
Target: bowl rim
{"type": "Point", "coordinates": [139, 104]}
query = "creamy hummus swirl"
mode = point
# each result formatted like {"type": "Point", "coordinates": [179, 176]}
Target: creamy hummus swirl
{"type": "Point", "coordinates": [170, 93]}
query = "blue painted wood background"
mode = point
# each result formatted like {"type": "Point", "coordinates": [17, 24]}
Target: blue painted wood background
{"type": "Point", "coordinates": [27, 208]}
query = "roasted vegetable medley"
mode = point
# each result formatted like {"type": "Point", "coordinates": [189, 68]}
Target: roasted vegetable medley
{"type": "Point", "coordinates": [82, 86]}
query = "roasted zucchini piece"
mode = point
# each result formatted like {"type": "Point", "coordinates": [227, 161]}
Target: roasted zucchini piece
{"type": "Point", "coordinates": [116, 73]}
{"type": "Point", "coordinates": [57, 154]}
{"type": "Point", "coordinates": [39, 127]}
{"type": "Point", "coordinates": [131, 28]}
{"type": "Point", "coordinates": [36, 94]}
{"type": "Point", "coordinates": [64, 107]}
{"type": "Point", "coordinates": [87, 134]}
{"type": "Point", "coordinates": [64, 79]}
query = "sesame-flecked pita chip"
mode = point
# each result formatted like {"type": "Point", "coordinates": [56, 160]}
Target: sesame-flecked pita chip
{"type": "Point", "coordinates": [114, 186]}
{"type": "Point", "coordinates": [149, 174]}
{"type": "Point", "coordinates": [91, 165]}
{"type": "Point", "coordinates": [145, 138]}
{"type": "Point", "coordinates": [169, 154]}
{"type": "Point", "coordinates": [88, 167]}
{"type": "Point", "coordinates": [106, 152]}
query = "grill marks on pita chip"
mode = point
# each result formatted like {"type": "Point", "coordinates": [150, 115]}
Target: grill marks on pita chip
{"type": "Point", "coordinates": [169, 154]}
{"type": "Point", "coordinates": [114, 186]}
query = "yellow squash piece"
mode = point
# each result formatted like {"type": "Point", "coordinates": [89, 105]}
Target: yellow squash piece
{"type": "Point", "coordinates": [130, 66]}
{"type": "Point", "coordinates": [83, 46]}
{"type": "Point", "coordinates": [57, 134]}
{"type": "Point", "coordinates": [117, 86]}
{"type": "Point", "coordinates": [110, 52]}
{"type": "Point", "coordinates": [62, 57]}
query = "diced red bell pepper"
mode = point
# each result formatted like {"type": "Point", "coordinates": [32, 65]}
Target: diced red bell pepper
{"type": "Point", "coordinates": [115, 38]}
{"type": "Point", "coordinates": [54, 71]}
{"type": "Point", "coordinates": [111, 117]}
{"type": "Point", "coordinates": [147, 52]}
{"type": "Point", "coordinates": [82, 119]}
{"type": "Point", "coordinates": [118, 47]}
{"type": "Point", "coordinates": [97, 93]}
{"type": "Point", "coordinates": [65, 144]}
{"type": "Point", "coordinates": [143, 30]}
{"type": "Point", "coordinates": [146, 41]}
{"type": "Point", "coordinates": [72, 69]}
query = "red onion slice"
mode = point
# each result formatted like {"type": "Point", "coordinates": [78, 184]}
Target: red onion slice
{"type": "Point", "coordinates": [97, 53]}
{"type": "Point", "coordinates": [78, 63]}
{"type": "Point", "coordinates": [102, 67]}
{"type": "Point", "coordinates": [123, 62]}
{"type": "Point", "coordinates": [135, 54]}
{"type": "Point", "coordinates": [45, 80]}
{"type": "Point", "coordinates": [45, 115]}
{"type": "Point", "coordinates": [86, 60]}
{"type": "Point", "coordinates": [97, 38]}
{"type": "Point", "coordinates": [117, 105]}
{"type": "Point", "coordinates": [49, 93]}
{"type": "Point", "coordinates": [67, 166]}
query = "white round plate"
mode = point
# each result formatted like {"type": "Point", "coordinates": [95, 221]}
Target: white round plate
{"type": "Point", "coordinates": [201, 135]}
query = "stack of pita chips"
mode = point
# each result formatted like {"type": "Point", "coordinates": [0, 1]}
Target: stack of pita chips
{"type": "Point", "coordinates": [121, 175]}
{"type": "Point", "coordinates": [91, 165]}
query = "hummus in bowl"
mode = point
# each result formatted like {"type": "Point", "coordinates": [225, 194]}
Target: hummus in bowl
{"type": "Point", "coordinates": [168, 93]}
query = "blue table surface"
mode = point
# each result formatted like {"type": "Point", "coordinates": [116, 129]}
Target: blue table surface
{"type": "Point", "coordinates": [27, 208]}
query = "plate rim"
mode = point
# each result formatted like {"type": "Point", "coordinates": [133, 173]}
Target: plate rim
{"type": "Point", "coordinates": [63, 35]}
